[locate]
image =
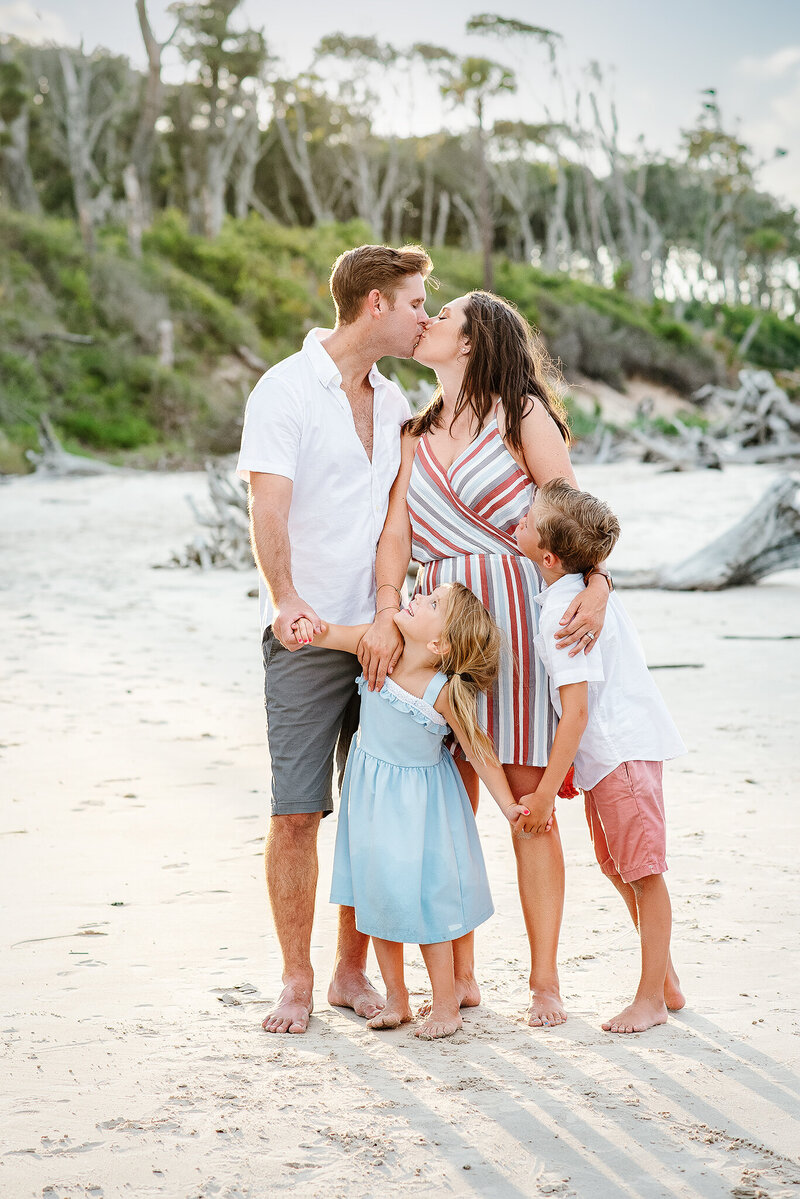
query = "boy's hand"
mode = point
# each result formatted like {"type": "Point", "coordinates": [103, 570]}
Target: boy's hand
{"type": "Point", "coordinates": [540, 819]}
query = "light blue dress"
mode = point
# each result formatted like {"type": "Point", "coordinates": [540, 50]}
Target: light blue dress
{"type": "Point", "coordinates": [408, 857]}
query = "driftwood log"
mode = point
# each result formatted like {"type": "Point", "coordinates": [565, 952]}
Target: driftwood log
{"type": "Point", "coordinates": [225, 539]}
{"type": "Point", "coordinates": [757, 423]}
{"type": "Point", "coordinates": [57, 462]}
{"type": "Point", "coordinates": [767, 539]}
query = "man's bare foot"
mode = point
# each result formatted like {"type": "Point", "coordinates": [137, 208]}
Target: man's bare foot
{"type": "Point", "coordinates": [396, 1012]}
{"type": "Point", "coordinates": [292, 1011]}
{"type": "Point", "coordinates": [638, 1016]}
{"type": "Point", "coordinates": [545, 1009]}
{"type": "Point", "coordinates": [442, 1022]}
{"type": "Point", "coordinates": [673, 995]}
{"type": "Point", "coordinates": [467, 995]}
{"type": "Point", "coordinates": [354, 990]}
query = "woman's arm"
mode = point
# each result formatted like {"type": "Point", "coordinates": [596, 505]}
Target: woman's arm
{"type": "Point", "coordinates": [490, 773]}
{"type": "Point", "coordinates": [382, 644]}
{"type": "Point", "coordinates": [546, 457]}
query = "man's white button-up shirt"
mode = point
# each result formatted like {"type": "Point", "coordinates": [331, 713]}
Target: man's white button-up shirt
{"type": "Point", "coordinates": [299, 424]}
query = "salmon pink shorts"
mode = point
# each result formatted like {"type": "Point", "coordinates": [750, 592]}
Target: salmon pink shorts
{"type": "Point", "coordinates": [625, 814]}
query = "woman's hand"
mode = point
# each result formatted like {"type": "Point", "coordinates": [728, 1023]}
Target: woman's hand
{"type": "Point", "coordinates": [379, 649]}
{"type": "Point", "coordinates": [584, 617]}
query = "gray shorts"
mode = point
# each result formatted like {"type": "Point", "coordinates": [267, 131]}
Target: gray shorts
{"type": "Point", "coordinates": [312, 708]}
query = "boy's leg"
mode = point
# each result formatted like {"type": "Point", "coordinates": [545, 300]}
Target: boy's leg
{"type": "Point", "coordinates": [445, 1016]}
{"type": "Point", "coordinates": [655, 925]}
{"type": "Point", "coordinates": [397, 1010]}
{"type": "Point", "coordinates": [673, 995]}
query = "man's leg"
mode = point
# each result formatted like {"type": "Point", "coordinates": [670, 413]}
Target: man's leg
{"type": "Point", "coordinates": [350, 986]}
{"type": "Point", "coordinates": [291, 865]}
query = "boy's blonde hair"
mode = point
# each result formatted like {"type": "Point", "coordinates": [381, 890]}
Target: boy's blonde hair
{"type": "Point", "coordinates": [577, 527]}
{"type": "Point", "coordinates": [357, 272]}
{"type": "Point", "coordinates": [471, 662]}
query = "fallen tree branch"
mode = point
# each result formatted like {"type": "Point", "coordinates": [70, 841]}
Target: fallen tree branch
{"type": "Point", "coordinates": [57, 462]}
{"type": "Point", "coordinates": [225, 542]}
{"type": "Point", "coordinates": [766, 540]}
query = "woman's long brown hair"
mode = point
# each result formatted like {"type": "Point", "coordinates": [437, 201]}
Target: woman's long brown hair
{"type": "Point", "coordinates": [504, 360]}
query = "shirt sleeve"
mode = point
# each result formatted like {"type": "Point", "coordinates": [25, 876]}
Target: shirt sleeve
{"type": "Point", "coordinates": [562, 669]}
{"type": "Point", "coordinates": [273, 430]}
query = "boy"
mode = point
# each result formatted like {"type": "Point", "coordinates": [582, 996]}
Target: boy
{"type": "Point", "coordinates": [615, 726]}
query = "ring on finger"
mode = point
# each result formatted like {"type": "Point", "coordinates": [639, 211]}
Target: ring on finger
{"type": "Point", "coordinates": [589, 634]}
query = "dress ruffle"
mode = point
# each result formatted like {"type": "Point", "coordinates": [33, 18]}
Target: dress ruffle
{"type": "Point", "coordinates": [421, 711]}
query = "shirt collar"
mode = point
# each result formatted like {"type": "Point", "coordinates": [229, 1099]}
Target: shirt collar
{"type": "Point", "coordinates": [565, 583]}
{"type": "Point", "coordinates": [326, 369]}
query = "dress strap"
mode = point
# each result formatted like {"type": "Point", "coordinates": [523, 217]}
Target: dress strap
{"type": "Point", "coordinates": [434, 687]}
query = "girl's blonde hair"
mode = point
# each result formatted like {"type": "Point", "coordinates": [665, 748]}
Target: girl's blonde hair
{"type": "Point", "coordinates": [471, 663]}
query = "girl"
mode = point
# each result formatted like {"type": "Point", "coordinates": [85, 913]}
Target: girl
{"type": "Point", "coordinates": [407, 855]}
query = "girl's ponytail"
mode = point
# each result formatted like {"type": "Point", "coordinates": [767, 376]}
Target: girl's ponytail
{"type": "Point", "coordinates": [471, 663]}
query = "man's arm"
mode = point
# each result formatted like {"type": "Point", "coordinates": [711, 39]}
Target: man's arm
{"type": "Point", "coordinates": [270, 499]}
{"type": "Point", "coordinates": [575, 712]}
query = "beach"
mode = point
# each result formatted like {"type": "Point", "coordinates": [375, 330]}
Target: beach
{"type": "Point", "coordinates": [138, 951]}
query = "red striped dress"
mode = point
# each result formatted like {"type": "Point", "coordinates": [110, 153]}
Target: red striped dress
{"type": "Point", "coordinates": [462, 524]}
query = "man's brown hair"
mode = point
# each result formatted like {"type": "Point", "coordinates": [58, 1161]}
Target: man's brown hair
{"type": "Point", "coordinates": [358, 272]}
{"type": "Point", "coordinates": [577, 527]}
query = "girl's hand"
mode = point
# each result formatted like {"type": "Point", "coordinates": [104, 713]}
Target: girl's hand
{"type": "Point", "coordinates": [515, 814]}
{"type": "Point", "coordinates": [585, 615]}
{"type": "Point", "coordinates": [303, 631]}
{"type": "Point", "coordinates": [541, 810]}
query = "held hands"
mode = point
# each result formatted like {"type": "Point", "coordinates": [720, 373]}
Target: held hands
{"type": "Point", "coordinates": [583, 619]}
{"type": "Point", "coordinates": [539, 818]}
{"type": "Point", "coordinates": [294, 611]}
{"type": "Point", "coordinates": [304, 631]}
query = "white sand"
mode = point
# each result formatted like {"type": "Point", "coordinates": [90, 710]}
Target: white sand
{"type": "Point", "coordinates": [134, 776]}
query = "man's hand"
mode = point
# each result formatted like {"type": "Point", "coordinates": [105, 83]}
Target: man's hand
{"type": "Point", "coordinates": [291, 610]}
{"type": "Point", "coordinates": [541, 810]}
{"type": "Point", "coordinates": [584, 616]}
{"type": "Point", "coordinates": [379, 649]}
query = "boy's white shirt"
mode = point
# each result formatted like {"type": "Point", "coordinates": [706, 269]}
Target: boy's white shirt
{"type": "Point", "coordinates": [628, 719]}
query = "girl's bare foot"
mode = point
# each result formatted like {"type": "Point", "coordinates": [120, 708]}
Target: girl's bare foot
{"type": "Point", "coordinates": [545, 1009]}
{"type": "Point", "coordinates": [638, 1016]}
{"type": "Point", "coordinates": [396, 1012]}
{"type": "Point", "coordinates": [673, 995]}
{"type": "Point", "coordinates": [467, 995]}
{"type": "Point", "coordinates": [442, 1022]}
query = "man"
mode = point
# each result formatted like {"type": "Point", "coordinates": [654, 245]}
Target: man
{"type": "Point", "coordinates": [320, 449]}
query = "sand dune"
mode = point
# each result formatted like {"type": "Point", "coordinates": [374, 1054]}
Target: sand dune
{"type": "Point", "coordinates": [139, 957]}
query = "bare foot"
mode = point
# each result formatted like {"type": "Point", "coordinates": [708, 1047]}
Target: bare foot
{"type": "Point", "coordinates": [545, 1009]}
{"type": "Point", "coordinates": [442, 1022]}
{"type": "Point", "coordinates": [293, 1010]}
{"type": "Point", "coordinates": [354, 990]}
{"type": "Point", "coordinates": [396, 1012]}
{"type": "Point", "coordinates": [673, 995]}
{"type": "Point", "coordinates": [467, 995]}
{"type": "Point", "coordinates": [639, 1015]}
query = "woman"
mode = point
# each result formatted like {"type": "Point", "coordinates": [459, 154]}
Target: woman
{"type": "Point", "coordinates": [471, 461]}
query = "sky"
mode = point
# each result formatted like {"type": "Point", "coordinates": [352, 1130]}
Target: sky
{"type": "Point", "coordinates": [658, 61]}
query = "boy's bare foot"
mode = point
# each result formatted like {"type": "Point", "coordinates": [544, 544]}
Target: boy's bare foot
{"type": "Point", "coordinates": [638, 1016]}
{"type": "Point", "coordinates": [442, 1022]}
{"type": "Point", "coordinates": [293, 1010]}
{"type": "Point", "coordinates": [354, 990]}
{"type": "Point", "coordinates": [673, 995]}
{"type": "Point", "coordinates": [545, 1009]}
{"type": "Point", "coordinates": [467, 995]}
{"type": "Point", "coordinates": [396, 1012]}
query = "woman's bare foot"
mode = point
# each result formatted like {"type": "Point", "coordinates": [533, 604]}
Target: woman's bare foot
{"type": "Point", "coordinates": [638, 1016]}
{"type": "Point", "coordinates": [396, 1012]}
{"type": "Point", "coordinates": [545, 1009]}
{"type": "Point", "coordinates": [673, 995]}
{"type": "Point", "coordinates": [354, 990]}
{"type": "Point", "coordinates": [292, 1011]}
{"type": "Point", "coordinates": [442, 1022]}
{"type": "Point", "coordinates": [467, 995]}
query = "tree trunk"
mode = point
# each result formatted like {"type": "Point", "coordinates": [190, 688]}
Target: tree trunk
{"type": "Point", "coordinates": [135, 208]}
{"type": "Point", "coordinates": [442, 217]}
{"type": "Point", "coordinates": [144, 138]}
{"type": "Point", "coordinates": [16, 165]}
{"type": "Point", "coordinates": [766, 540]}
{"type": "Point", "coordinates": [485, 222]}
